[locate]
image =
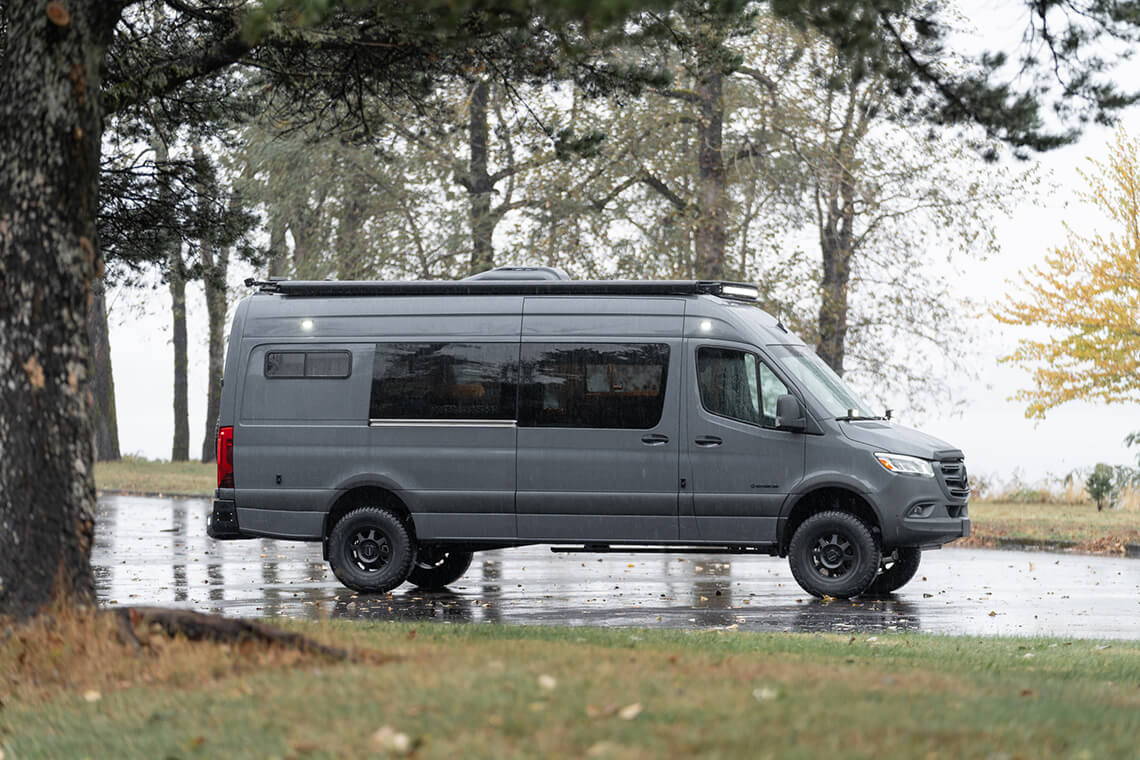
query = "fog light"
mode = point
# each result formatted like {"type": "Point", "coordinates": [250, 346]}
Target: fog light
{"type": "Point", "coordinates": [920, 510]}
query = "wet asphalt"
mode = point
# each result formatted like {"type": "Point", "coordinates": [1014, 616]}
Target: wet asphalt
{"type": "Point", "coordinates": [154, 551]}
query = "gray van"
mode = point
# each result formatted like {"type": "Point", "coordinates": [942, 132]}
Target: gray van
{"type": "Point", "coordinates": [406, 425]}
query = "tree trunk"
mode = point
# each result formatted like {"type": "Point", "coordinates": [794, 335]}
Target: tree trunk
{"type": "Point", "coordinates": [50, 128]}
{"type": "Point", "coordinates": [278, 253]}
{"type": "Point", "coordinates": [104, 419]}
{"type": "Point", "coordinates": [351, 253]}
{"type": "Point", "coordinates": [833, 298]}
{"type": "Point", "coordinates": [479, 186]}
{"type": "Point", "coordinates": [215, 267]}
{"type": "Point", "coordinates": [710, 237]}
{"type": "Point", "coordinates": [180, 449]}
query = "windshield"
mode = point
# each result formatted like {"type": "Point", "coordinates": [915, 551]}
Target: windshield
{"type": "Point", "coordinates": [821, 381]}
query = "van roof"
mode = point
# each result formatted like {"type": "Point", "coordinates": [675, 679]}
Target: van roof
{"type": "Point", "coordinates": [736, 291]}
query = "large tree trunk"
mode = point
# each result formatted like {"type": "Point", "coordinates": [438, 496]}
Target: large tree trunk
{"type": "Point", "coordinates": [478, 181]}
{"type": "Point", "coordinates": [710, 237]}
{"type": "Point", "coordinates": [50, 127]}
{"type": "Point", "coordinates": [833, 297]}
{"type": "Point", "coordinates": [104, 419]}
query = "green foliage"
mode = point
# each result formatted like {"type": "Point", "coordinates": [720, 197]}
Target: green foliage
{"type": "Point", "coordinates": [1100, 485]}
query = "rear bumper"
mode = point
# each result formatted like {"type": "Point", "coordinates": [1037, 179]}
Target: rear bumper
{"type": "Point", "coordinates": [222, 522]}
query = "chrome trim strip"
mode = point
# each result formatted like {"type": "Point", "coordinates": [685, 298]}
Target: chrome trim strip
{"type": "Point", "coordinates": [443, 423]}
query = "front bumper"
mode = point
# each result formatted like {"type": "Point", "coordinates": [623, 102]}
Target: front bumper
{"type": "Point", "coordinates": [222, 522]}
{"type": "Point", "coordinates": [931, 531]}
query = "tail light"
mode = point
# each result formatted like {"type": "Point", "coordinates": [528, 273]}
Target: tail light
{"type": "Point", "coordinates": [225, 457]}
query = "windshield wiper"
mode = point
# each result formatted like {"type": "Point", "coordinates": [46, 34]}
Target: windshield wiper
{"type": "Point", "coordinates": [856, 418]}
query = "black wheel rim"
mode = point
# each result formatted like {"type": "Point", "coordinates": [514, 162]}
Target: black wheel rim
{"type": "Point", "coordinates": [370, 550]}
{"type": "Point", "coordinates": [834, 555]}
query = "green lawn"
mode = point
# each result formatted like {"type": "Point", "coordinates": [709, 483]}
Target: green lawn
{"type": "Point", "coordinates": [143, 476]}
{"type": "Point", "coordinates": [491, 691]}
{"type": "Point", "coordinates": [1081, 524]}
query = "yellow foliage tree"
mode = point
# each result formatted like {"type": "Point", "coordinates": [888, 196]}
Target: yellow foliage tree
{"type": "Point", "coordinates": [1088, 294]}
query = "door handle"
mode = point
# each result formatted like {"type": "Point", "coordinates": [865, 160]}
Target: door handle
{"type": "Point", "coordinates": [708, 440]}
{"type": "Point", "coordinates": [654, 439]}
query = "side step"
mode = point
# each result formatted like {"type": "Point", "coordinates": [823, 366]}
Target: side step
{"type": "Point", "coordinates": [764, 549]}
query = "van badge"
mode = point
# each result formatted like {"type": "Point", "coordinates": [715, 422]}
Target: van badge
{"type": "Point", "coordinates": [765, 485]}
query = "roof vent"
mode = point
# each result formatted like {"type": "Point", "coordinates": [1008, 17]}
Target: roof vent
{"type": "Point", "coordinates": [521, 273]}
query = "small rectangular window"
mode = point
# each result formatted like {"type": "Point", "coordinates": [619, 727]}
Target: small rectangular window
{"type": "Point", "coordinates": [445, 381]}
{"type": "Point", "coordinates": [294, 364]}
{"type": "Point", "coordinates": [600, 385]}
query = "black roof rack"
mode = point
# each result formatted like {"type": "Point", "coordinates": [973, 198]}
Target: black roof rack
{"type": "Point", "coordinates": [328, 288]}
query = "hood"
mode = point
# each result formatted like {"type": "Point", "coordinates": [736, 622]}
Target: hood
{"type": "Point", "coordinates": [896, 439]}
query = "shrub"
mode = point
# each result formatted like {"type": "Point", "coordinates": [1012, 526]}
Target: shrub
{"type": "Point", "coordinates": [1100, 485]}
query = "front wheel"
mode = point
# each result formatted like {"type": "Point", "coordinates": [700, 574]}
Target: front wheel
{"type": "Point", "coordinates": [834, 554]}
{"type": "Point", "coordinates": [896, 570]}
{"type": "Point", "coordinates": [371, 550]}
{"type": "Point", "coordinates": [436, 567]}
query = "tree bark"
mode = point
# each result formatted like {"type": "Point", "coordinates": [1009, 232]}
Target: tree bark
{"type": "Point", "coordinates": [180, 448]}
{"type": "Point", "coordinates": [50, 127]}
{"type": "Point", "coordinates": [215, 267]}
{"type": "Point", "coordinates": [104, 419]}
{"type": "Point", "coordinates": [710, 237]}
{"type": "Point", "coordinates": [478, 181]}
{"type": "Point", "coordinates": [278, 252]}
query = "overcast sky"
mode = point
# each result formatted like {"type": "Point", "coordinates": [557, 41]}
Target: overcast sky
{"type": "Point", "coordinates": [993, 431]}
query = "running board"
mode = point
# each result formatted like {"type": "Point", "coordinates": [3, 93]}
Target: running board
{"type": "Point", "coordinates": [767, 549]}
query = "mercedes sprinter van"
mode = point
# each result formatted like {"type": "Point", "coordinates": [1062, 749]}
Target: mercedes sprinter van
{"type": "Point", "coordinates": [406, 425]}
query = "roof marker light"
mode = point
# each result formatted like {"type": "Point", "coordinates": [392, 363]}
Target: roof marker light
{"type": "Point", "coordinates": [307, 325]}
{"type": "Point", "coordinates": [740, 291]}
{"type": "Point", "coordinates": [706, 325]}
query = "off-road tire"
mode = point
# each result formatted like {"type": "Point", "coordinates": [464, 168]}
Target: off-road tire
{"type": "Point", "coordinates": [896, 568]}
{"type": "Point", "coordinates": [436, 567]}
{"type": "Point", "coordinates": [371, 550]}
{"type": "Point", "coordinates": [834, 554]}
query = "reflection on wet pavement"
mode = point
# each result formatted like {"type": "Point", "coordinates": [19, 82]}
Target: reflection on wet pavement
{"type": "Point", "coordinates": [155, 551]}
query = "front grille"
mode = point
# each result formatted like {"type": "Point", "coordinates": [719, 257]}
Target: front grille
{"type": "Point", "coordinates": [955, 477]}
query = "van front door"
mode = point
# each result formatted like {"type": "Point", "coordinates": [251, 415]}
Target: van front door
{"type": "Point", "coordinates": [598, 445]}
{"type": "Point", "coordinates": [740, 467]}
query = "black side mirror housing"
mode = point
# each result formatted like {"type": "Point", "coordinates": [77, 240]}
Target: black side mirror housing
{"type": "Point", "coordinates": [789, 414]}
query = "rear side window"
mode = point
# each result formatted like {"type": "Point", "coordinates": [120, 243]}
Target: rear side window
{"type": "Point", "coordinates": [599, 385]}
{"type": "Point", "coordinates": [444, 381]}
{"type": "Point", "coordinates": [286, 364]}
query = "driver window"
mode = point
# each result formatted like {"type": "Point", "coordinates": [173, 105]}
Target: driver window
{"type": "Point", "coordinates": [736, 385]}
{"type": "Point", "coordinates": [728, 383]}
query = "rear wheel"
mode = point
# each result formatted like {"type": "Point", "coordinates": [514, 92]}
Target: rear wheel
{"type": "Point", "coordinates": [438, 566]}
{"type": "Point", "coordinates": [896, 569]}
{"type": "Point", "coordinates": [834, 554]}
{"type": "Point", "coordinates": [371, 550]}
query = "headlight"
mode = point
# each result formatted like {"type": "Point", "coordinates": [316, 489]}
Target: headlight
{"type": "Point", "coordinates": [903, 465]}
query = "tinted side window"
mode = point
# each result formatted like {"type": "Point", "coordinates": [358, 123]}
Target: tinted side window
{"type": "Point", "coordinates": [728, 383]}
{"type": "Point", "coordinates": [444, 381]}
{"type": "Point", "coordinates": [599, 385]}
{"type": "Point", "coordinates": [308, 364]}
{"type": "Point", "coordinates": [734, 384]}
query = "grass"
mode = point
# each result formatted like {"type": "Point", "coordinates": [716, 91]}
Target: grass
{"type": "Point", "coordinates": [1079, 524]}
{"type": "Point", "coordinates": [144, 476]}
{"type": "Point", "coordinates": [493, 691]}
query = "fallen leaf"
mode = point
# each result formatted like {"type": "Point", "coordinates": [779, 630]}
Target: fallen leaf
{"type": "Point", "coordinates": [629, 712]}
{"type": "Point", "coordinates": [1027, 692]}
{"type": "Point", "coordinates": [92, 696]}
{"type": "Point", "coordinates": [305, 748]}
{"type": "Point", "coordinates": [993, 614]}
{"type": "Point", "coordinates": [765, 694]}
{"type": "Point", "coordinates": [388, 739]}
{"type": "Point", "coordinates": [547, 682]}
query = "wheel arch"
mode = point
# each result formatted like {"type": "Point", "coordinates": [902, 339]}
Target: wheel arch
{"type": "Point", "coordinates": [823, 498]}
{"type": "Point", "coordinates": [366, 493]}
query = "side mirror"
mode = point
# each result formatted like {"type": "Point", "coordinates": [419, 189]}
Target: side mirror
{"type": "Point", "coordinates": [789, 413]}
